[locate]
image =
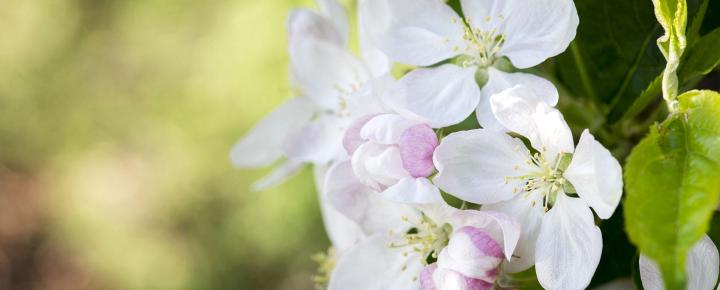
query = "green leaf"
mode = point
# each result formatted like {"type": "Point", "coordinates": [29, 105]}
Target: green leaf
{"type": "Point", "coordinates": [703, 57]}
{"type": "Point", "coordinates": [693, 31]}
{"type": "Point", "coordinates": [624, 98]}
{"type": "Point", "coordinates": [672, 182]}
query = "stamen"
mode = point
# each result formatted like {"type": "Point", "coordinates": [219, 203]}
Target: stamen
{"type": "Point", "coordinates": [481, 44]}
{"type": "Point", "coordinates": [326, 262]}
{"type": "Point", "coordinates": [545, 182]}
{"type": "Point", "coordinates": [426, 238]}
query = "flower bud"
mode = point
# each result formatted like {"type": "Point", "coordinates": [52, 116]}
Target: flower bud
{"type": "Point", "coordinates": [388, 148]}
{"type": "Point", "coordinates": [473, 253]}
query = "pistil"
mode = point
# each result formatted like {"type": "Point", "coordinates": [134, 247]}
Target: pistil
{"type": "Point", "coordinates": [547, 181]}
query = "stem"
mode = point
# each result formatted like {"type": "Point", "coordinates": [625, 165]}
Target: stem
{"type": "Point", "coordinates": [582, 69]}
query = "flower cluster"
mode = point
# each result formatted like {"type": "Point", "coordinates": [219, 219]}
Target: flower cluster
{"type": "Point", "coordinates": [385, 168]}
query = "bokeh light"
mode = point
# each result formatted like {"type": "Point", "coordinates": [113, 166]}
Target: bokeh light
{"type": "Point", "coordinates": [116, 121]}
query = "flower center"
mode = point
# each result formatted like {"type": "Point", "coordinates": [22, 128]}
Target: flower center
{"type": "Point", "coordinates": [543, 184]}
{"type": "Point", "coordinates": [347, 90]}
{"type": "Point", "coordinates": [425, 238]}
{"type": "Point", "coordinates": [481, 45]}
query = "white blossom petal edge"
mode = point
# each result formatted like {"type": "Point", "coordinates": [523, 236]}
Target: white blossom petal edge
{"type": "Point", "coordinates": [701, 265]}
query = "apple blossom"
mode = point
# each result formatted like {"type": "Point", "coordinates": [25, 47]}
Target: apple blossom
{"type": "Point", "coordinates": [427, 32]}
{"type": "Point", "coordinates": [334, 88]}
{"type": "Point", "coordinates": [537, 185]}
{"type": "Point", "coordinates": [471, 245]}
{"type": "Point", "coordinates": [397, 262]}
{"type": "Point", "coordinates": [401, 237]}
{"type": "Point", "coordinates": [393, 155]}
{"type": "Point", "coordinates": [528, 195]}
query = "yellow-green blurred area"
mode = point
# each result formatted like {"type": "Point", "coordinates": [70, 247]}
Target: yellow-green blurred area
{"type": "Point", "coordinates": [116, 120]}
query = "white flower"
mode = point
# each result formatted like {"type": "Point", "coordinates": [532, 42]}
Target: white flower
{"type": "Point", "coordinates": [334, 88]}
{"type": "Point", "coordinates": [400, 238]}
{"type": "Point", "coordinates": [701, 266]}
{"type": "Point", "coordinates": [393, 155]}
{"type": "Point", "coordinates": [472, 245]}
{"type": "Point", "coordinates": [427, 32]}
{"type": "Point", "coordinates": [537, 185]}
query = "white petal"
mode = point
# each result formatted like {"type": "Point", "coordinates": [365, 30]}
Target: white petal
{"type": "Point", "coordinates": [501, 226]}
{"type": "Point", "coordinates": [318, 142]}
{"type": "Point", "coordinates": [514, 113]}
{"type": "Point", "coordinates": [342, 232]}
{"type": "Point", "coordinates": [422, 32]}
{"type": "Point", "coordinates": [439, 96]}
{"type": "Point", "coordinates": [264, 143]}
{"type": "Point", "coordinates": [446, 279]}
{"type": "Point", "coordinates": [543, 125]}
{"type": "Point", "coordinates": [701, 265]}
{"type": "Point", "coordinates": [373, 265]}
{"type": "Point", "coordinates": [374, 17]}
{"type": "Point", "coordinates": [438, 211]}
{"type": "Point", "coordinates": [413, 191]}
{"type": "Point", "coordinates": [386, 128]}
{"type": "Point", "coordinates": [473, 165]}
{"type": "Point", "coordinates": [650, 274]}
{"type": "Point", "coordinates": [361, 204]}
{"type": "Point", "coordinates": [596, 175]}
{"type": "Point", "coordinates": [554, 133]}
{"type": "Point", "coordinates": [529, 217]}
{"type": "Point", "coordinates": [319, 174]}
{"type": "Point", "coordinates": [533, 30]}
{"type": "Point", "coordinates": [569, 245]}
{"type": "Point", "coordinates": [335, 14]}
{"type": "Point", "coordinates": [498, 81]}
{"type": "Point", "coordinates": [281, 173]}
{"type": "Point", "coordinates": [304, 24]}
{"type": "Point", "coordinates": [326, 72]}
{"type": "Point", "coordinates": [352, 138]}
{"type": "Point", "coordinates": [368, 99]}
{"type": "Point", "coordinates": [378, 166]}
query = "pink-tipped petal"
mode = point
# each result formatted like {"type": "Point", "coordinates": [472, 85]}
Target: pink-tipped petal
{"type": "Point", "coordinates": [426, 278]}
{"type": "Point", "coordinates": [351, 139]}
{"type": "Point", "coordinates": [483, 241]}
{"type": "Point", "coordinates": [417, 145]}
{"type": "Point", "coordinates": [477, 284]}
{"type": "Point", "coordinates": [448, 279]}
{"type": "Point", "coordinates": [473, 253]}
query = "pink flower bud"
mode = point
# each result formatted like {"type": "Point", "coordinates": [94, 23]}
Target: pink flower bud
{"type": "Point", "coordinates": [417, 145]}
{"type": "Point", "coordinates": [473, 253]}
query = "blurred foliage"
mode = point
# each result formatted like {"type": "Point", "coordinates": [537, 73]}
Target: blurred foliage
{"type": "Point", "coordinates": [116, 119]}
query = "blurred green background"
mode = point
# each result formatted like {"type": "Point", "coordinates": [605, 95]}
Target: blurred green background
{"type": "Point", "coordinates": [116, 120]}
